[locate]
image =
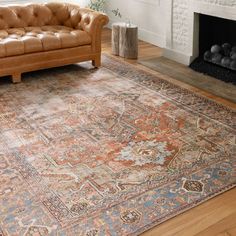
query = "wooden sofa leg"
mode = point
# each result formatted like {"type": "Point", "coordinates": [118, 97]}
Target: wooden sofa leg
{"type": "Point", "coordinates": [16, 78]}
{"type": "Point", "coordinates": [97, 62]}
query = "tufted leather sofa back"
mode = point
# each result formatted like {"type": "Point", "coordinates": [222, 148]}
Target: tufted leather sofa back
{"type": "Point", "coordinates": [41, 15]}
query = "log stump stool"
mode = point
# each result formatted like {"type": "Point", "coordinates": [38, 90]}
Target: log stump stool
{"type": "Point", "coordinates": [125, 40]}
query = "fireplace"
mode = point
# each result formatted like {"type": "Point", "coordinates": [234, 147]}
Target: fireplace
{"type": "Point", "coordinates": [217, 48]}
{"type": "Point", "coordinates": [184, 34]}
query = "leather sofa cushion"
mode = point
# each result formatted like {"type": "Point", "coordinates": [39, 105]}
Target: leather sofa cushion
{"type": "Point", "coordinates": [44, 14]}
{"type": "Point", "coordinates": [18, 41]}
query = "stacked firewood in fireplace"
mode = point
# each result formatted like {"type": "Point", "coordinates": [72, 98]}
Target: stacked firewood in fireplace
{"type": "Point", "coordinates": [224, 55]}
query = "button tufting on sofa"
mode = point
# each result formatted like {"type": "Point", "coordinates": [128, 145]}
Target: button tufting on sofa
{"type": "Point", "coordinates": [35, 36]}
{"type": "Point", "coordinates": [64, 34]}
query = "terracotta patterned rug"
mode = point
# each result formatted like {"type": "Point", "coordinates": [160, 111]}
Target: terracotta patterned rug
{"type": "Point", "coordinates": [113, 151]}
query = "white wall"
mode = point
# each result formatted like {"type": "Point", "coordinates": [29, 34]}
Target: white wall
{"type": "Point", "coordinates": [147, 14]}
{"type": "Point", "coordinates": [81, 3]}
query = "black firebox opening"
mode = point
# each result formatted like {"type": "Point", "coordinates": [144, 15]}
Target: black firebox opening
{"type": "Point", "coordinates": [216, 31]}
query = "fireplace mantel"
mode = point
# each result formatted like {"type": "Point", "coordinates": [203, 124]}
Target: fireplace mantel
{"type": "Point", "coordinates": [183, 25]}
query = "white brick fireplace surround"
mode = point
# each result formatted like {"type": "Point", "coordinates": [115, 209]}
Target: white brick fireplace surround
{"type": "Point", "coordinates": [182, 22]}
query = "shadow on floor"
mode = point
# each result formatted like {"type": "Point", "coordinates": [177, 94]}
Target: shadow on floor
{"type": "Point", "coordinates": [28, 76]}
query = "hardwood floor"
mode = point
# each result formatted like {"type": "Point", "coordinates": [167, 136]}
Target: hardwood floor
{"type": "Point", "coordinates": [216, 217]}
{"type": "Point", "coordinates": [186, 75]}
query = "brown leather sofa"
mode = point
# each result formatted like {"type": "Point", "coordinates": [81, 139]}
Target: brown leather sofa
{"type": "Point", "coordinates": [38, 36]}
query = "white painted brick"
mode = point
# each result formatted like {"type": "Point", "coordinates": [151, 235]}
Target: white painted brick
{"type": "Point", "coordinates": [180, 28]}
{"type": "Point", "coordinates": [230, 3]}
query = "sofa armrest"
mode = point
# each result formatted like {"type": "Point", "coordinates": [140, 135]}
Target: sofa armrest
{"type": "Point", "coordinates": [92, 22]}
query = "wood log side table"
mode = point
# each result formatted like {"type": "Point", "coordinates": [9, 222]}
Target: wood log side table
{"type": "Point", "coordinates": [125, 40]}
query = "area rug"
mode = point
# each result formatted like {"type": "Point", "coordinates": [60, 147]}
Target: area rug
{"type": "Point", "coordinates": [113, 151]}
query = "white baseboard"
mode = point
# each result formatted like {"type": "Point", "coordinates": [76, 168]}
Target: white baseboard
{"type": "Point", "coordinates": [177, 56]}
{"type": "Point", "coordinates": [151, 37]}
{"type": "Point", "coordinates": [147, 36]}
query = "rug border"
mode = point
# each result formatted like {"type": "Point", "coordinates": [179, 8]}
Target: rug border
{"type": "Point", "coordinates": [152, 73]}
{"type": "Point", "coordinates": [185, 209]}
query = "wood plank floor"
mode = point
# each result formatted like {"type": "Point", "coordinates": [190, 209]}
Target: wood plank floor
{"type": "Point", "coordinates": [185, 74]}
{"type": "Point", "coordinates": [216, 217]}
